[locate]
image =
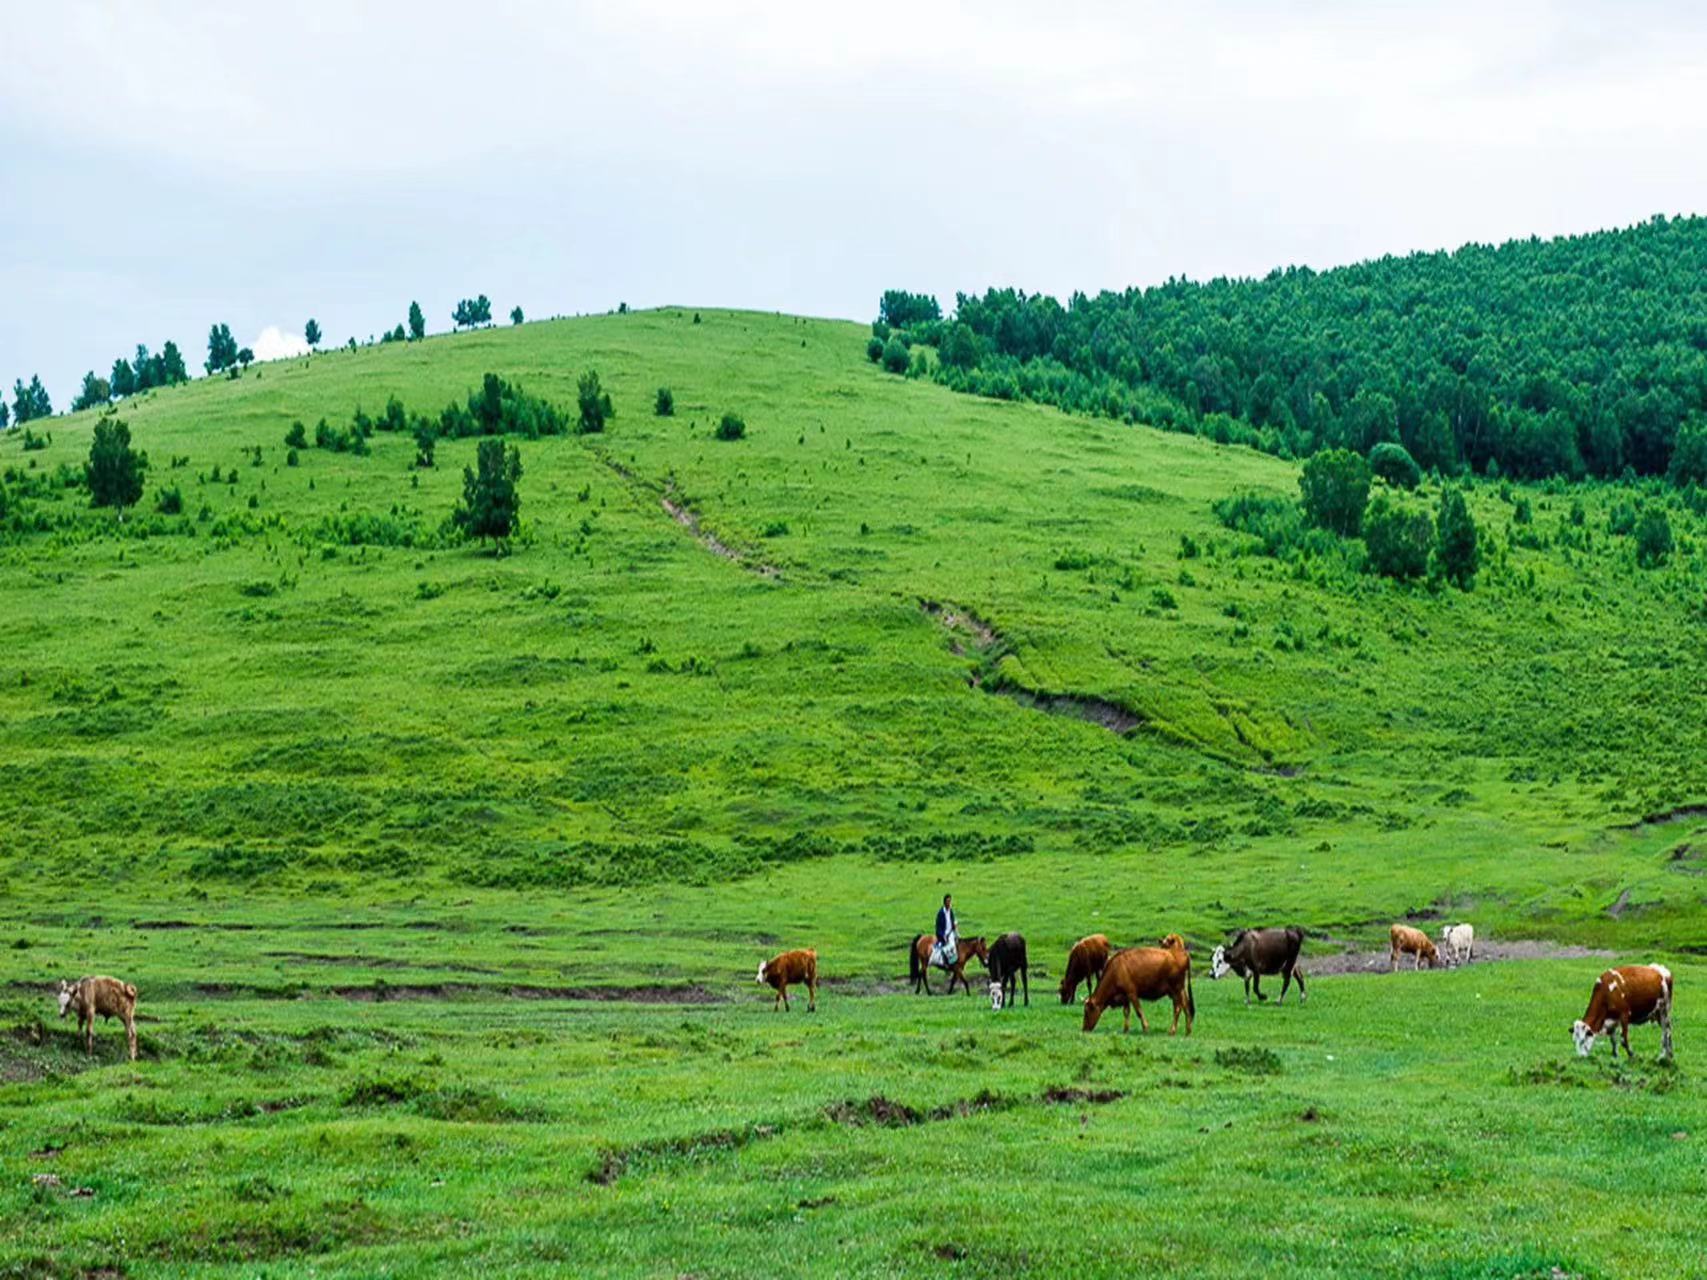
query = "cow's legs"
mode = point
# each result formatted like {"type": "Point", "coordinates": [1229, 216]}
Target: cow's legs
{"type": "Point", "coordinates": [1256, 985]}
{"type": "Point", "coordinates": [1247, 989]}
{"type": "Point", "coordinates": [1298, 977]}
{"type": "Point", "coordinates": [130, 1032]}
{"type": "Point", "coordinates": [1285, 982]}
{"type": "Point", "coordinates": [1665, 1033]}
{"type": "Point", "coordinates": [812, 994]}
{"type": "Point", "coordinates": [1142, 1025]}
{"type": "Point", "coordinates": [1025, 977]}
{"type": "Point", "coordinates": [1394, 957]}
{"type": "Point", "coordinates": [1173, 1027]}
{"type": "Point", "coordinates": [1126, 1020]}
{"type": "Point", "coordinates": [1624, 1029]}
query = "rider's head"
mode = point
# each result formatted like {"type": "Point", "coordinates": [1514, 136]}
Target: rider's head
{"type": "Point", "coordinates": [947, 899]}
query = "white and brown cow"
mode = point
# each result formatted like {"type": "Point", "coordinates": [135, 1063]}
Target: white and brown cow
{"type": "Point", "coordinates": [791, 966]}
{"type": "Point", "coordinates": [107, 997]}
{"type": "Point", "coordinates": [1630, 994]}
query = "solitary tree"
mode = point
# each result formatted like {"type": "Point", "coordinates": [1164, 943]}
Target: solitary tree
{"type": "Point", "coordinates": [594, 403]}
{"type": "Point", "coordinates": [417, 322]}
{"type": "Point", "coordinates": [221, 349]}
{"type": "Point", "coordinates": [96, 390]}
{"type": "Point", "coordinates": [245, 357]}
{"type": "Point", "coordinates": [311, 333]}
{"type": "Point", "coordinates": [1456, 553]}
{"type": "Point", "coordinates": [114, 470]}
{"type": "Point", "coordinates": [1335, 487]}
{"type": "Point", "coordinates": [516, 315]}
{"type": "Point", "coordinates": [490, 504]}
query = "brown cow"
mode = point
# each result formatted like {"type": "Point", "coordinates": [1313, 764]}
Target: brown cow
{"type": "Point", "coordinates": [1408, 941]}
{"type": "Point", "coordinates": [1145, 973]}
{"type": "Point", "coordinates": [1085, 963]}
{"type": "Point", "coordinates": [792, 966]}
{"type": "Point", "coordinates": [1635, 993]}
{"type": "Point", "coordinates": [105, 996]}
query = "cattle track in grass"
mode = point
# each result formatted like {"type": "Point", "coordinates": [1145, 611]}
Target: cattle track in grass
{"type": "Point", "coordinates": [678, 509]}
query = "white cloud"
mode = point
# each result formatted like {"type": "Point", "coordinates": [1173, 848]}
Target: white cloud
{"type": "Point", "coordinates": [275, 344]}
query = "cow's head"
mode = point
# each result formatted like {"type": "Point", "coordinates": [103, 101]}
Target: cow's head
{"type": "Point", "coordinates": [66, 992]}
{"type": "Point", "coordinates": [1431, 954]}
{"type": "Point", "coordinates": [1093, 1011]}
{"type": "Point", "coordinates": [763, 965]}
{"type": "Point", "coordinates": [996, 997]}
{"type": "Point", "coordinates": [1173, 942]}
{"type": "Point", "coordinates": [1218, 966]}
{"type": "Point", "coordinates": [1583, 1036]}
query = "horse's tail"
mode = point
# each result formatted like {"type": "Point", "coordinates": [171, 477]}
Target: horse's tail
{"type": "Point", "coordinates": [913, 959]}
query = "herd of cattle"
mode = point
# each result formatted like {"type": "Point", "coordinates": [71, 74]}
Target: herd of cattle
{"type": "Point", "coordinates": [1124, 978]}
{"type": "Point", "coordinates": [1113, 978]}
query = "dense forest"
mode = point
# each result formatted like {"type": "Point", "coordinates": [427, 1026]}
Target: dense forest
{"type": "Point", "coordinates": [1585, 355]}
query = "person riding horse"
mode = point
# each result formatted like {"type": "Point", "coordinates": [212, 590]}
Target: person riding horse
{"type": "Point", "coordinates": [947, 949]}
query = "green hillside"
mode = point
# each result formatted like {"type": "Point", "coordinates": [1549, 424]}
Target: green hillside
{"type": "Point", "coordinates": [295, 750]}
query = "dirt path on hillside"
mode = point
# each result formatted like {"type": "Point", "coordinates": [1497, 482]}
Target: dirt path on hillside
{"type": "Point", "coordinates": [1488, 951]}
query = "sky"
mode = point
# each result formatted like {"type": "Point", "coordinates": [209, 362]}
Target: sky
{"type": "Point", "coordinates": [172, 165]}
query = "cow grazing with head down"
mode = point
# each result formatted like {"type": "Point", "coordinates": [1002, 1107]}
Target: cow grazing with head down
{"type": "Point", "coordinates": [107, 997]}
{"type": "Point", "coordinates": [1459, 942]}
{"type": "Point", "coordinates": [1085, 964]}
{"type": "Point", "coordinates": [792, 966]}
{"type": "Point", "coordinates": [1145, 973]}
{"type": "Point", "coordinates": [1405, 940]}
{"type": "Point", "coordinates": [1632, 994]}
{"type": "Point", "coordinates": [1255, 952]}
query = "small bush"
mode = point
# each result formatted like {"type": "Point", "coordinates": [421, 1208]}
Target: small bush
{"type": "Point", "coordinates": [665, 405]}
{"type": "Point", "coordinates": [1398, 538]}
{"type": "Point", "coordinates": [297, 437]}
{"type": "Point", "coordinates": [1394, 464]}
{"type": "Point", "coordinates": [874, 349]}
{"type": "Point", "coordinates": [170, 501]}
{"type": "Point", "coordinates": [895, 356]}
{"type": "Point", "coordinates": [731, 427]}
{"type": "Point", "coordinates": [1653, 539]}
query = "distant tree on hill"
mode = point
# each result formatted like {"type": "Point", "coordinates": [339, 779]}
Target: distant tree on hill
{"type": "Point", "coordinates": [31, 402]}
{"type": "Point", "coordinates": [171, 366]}
{"type": "Point", "coordinates": [96, 390]}
{"type": "Point", "coordinates": [1398, 538]}
{"type": "Point", "coordinates": [900, 309]}
{"type": "Point", "coordinates": [311, 333]}
{"type": "Point", "coordinates": [665, 405]}
{"type": "Point", "coordinates": [5, 414]}
{"type": "Point", "coordinates": [1335, 488]}
{"type": "Point", "coordinates": [245, 357]}
{"type": "Point", "coordinates": [1653, 538]}
{"type": "Point", "coordinates": [960, 347]}
{"type": "Point", "coordinates": [490, 505]}
{"type": "Point", "coordinates": [221, 349]}
{"type": "Point", "coordinates": [1394, 464]}
{"type": "Point", "coordinates": [516, 316]}
{"type": "Point", "coordinates": [114, 470]}
{"type": "Point", "coordinates": [417, 322]}
{"type": "Point", "coordinates": [1456, 552]}
{"type": "Point", "coordinates": [594, 402]}
{"type": "Point", "coordinates": [397, 335]}
{"type": "Point", "coordinates": [426, 442]}
{"type": "Point", "coordinates": [122, 380]}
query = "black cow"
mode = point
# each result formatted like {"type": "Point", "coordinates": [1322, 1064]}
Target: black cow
{"type": "Point", "coordinates": [1008, 967]}
{"type": "Point", "coordinates": [1255, 952]}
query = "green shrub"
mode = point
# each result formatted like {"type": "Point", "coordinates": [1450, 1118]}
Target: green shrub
{"type": "Point", "coordinates": [1399, 539]}
{"type": "Point", "coordinates": [1653, 538]}
{"type": "Point", "coordinates": [731, 427]}
{"type": "Point", "coordinates": [665, 405]}
{"type": "Point", "coordinates": [1394, 464]}
{"type": "Point", "coordinates": [296, 437]}
{"type": "Point", "coordinates": [1457, 554]}
{"type": "Point", "coordinates": [895, 356]}
{"type": "Point", "coordinates": [594, 403]}
{"type": "Point", "coordinates": [874, 349]}
{"type": "Point", "coordinates": [170, 502]}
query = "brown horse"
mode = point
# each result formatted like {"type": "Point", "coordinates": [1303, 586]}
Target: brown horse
{"type": "Point", "coordinates": [919, 962]}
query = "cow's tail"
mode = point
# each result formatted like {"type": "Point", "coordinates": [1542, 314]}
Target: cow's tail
{"type": "Point", "coordinates": [1190, 1001]}
{"type": "Point", "coordinates": [913, 959]}
{"type": "Point", "coordinates": [130, 990]}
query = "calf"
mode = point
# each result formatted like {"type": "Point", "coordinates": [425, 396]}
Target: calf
{"type": "Point", "coordinates": [1459, 941]}
{"type": "Point", "coordinates": [1085, 963]}
{"type": "Point", "coordinates": [792, 966]}
{"type": "Point", "coordinates": [1145, 973]}
{"type": "Point", "coordinates": [1408, 941]}
{"type": "Point", "coordinates": [1635, 993]}
{"type": "Point", "coordinates": [105, 996]}
{"type": "Point", "coordinates": [1255, 952]}
{"type": "Point", "coordinates": [995, 997]}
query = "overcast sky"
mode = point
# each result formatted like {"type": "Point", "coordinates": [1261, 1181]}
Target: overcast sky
{"type": "Point", "coordinates": [170, 165]}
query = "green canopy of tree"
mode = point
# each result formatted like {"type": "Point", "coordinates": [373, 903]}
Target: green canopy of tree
{"type": "Point", "coordinates": [417, 322]}
{"type": "Point", "coordinates": [1334, 487]}
{"type": "Point", "coordinates": [311, 332]}
{"type": "Point", "coordinates": [490, 505]}
{"type": "Point", "coordinates": [516, 316]}
{"type": "Point", "coordinates": [594, 403]}
{"type": "Point", "coordinates": [221, 349]}
{"type": "Point", "coordinates": [1456, 551]}
{"type": "Point", "coordinates": [114, 470]}
{"type": "Point", "coordinates": [31, 402]}
{"type": "Point", "coordinates": [96, 391]}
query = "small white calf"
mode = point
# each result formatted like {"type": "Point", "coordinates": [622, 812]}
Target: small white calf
{"type": "Point", "coordinates": [1459, 942]}
{"type": "Point", "coordinates": [996, 996]}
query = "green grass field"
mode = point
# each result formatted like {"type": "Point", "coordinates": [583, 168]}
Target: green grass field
{"type": "Point", "coordinates": [444, 876]}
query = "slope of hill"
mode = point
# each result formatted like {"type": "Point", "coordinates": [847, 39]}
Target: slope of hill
{"type": "Point", "coordinates": [405, 843]}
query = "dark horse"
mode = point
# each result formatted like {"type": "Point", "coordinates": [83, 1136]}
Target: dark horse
{"type": "Point", "coordinates": [919, 962]}
{"type": "Point", "coordinates": [1255, 952]}
{"type": "Point", "coordinates": [1007, 966]}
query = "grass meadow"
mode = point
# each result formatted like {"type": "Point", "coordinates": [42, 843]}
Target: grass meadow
{"type": "Point", "coordinates": [444, 875]}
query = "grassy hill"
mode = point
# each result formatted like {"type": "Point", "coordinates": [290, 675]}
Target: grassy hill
{"type": "Point", "coordinates": [292, 752]}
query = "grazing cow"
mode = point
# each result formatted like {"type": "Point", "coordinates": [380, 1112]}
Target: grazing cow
{"type": "Point", "coordinates": [1255, 952]}
{"type": "Point", "coordinates": [1085, 963]}
{"type": "Point", "coordinates": [1405, 940]}
{"type": "Point", "coordinates": [1145, 973]}
{"type": "Point", "coordinates": [105, 996]}
{"type": "Point", "coordinates": [1634, 993]}
{"type": "Point", "coordinates": [1459, 940]}
{"type": "Point", "coordinates": [1008, 968]}
{"type": "Point", "coordinates": [792, 966]}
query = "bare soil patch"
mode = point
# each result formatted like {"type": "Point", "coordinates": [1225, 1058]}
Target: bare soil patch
{"type": "Point", "coordinates": [1488, 951]}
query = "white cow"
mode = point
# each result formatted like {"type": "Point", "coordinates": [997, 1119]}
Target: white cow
{"type": "Point", "coordinates": [996, 996]}
{"type": "Point", "coordinates": [1458, 941]}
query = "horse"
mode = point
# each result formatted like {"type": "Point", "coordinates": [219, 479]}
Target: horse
{"type": "Point", "coordinates": [1008, 968]}
{"type": "Point", "coordinates": [1085, 963]}
{"type": "Point", "coordinates": [919, 962]}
